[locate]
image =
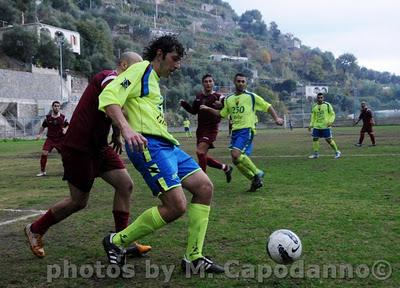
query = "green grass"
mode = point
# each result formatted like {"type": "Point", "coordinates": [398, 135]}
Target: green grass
{"type": "Point", "coordinates": [345, 211]}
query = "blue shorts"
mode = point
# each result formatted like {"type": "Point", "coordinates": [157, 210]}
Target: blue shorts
{"type": "Point", "coordinates": [187, 129]}
{"type": "Point", "coordinates": [162, 164]}
{"type": "Point", "coordinates": [322, 133]}
{"type": "Point", "coordinates": [242, 140]}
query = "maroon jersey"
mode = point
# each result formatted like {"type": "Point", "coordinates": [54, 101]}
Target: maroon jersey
{"type": "Point", "coordinates": [366, 117]}
{"type": "Point", "coordinates": [206, 120]}
{"type": "Point", "coordinates": [89, 127]}
{"type": "Point", "coordinates": [55, 126]}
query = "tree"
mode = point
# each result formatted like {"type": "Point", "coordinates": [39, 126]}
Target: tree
{"type": "Point", "coordinates": [347, 63]}
{"type": "Point", "coordinates": [275, 32]}
{"type": "Point", "coordinates": [47, 54]}
{"type": "Point", "coordinates": [20, 43]}
{"type": "Point", "coordinates": [251, 22]}
{"type": "Point", "coordinates": [8, 13]}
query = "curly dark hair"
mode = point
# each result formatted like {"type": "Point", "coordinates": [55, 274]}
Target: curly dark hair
{"type": "Point", "coordinates": [167, 44]}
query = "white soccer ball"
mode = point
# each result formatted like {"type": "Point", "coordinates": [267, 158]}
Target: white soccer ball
{"type": "Point", "coordinates": [284, 246]}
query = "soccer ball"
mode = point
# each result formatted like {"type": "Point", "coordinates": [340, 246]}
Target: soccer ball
{"type": "Point", "coordinates": [283, 246]}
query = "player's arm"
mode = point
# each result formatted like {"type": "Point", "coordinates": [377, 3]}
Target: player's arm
{"type": "Point", "coordinates": [331, 115]}
{"type": "Point", "coordinates": [192, 109]}
{"type": "Point", "coordinates": [41, 130]}
{"type": "Point", "coordinates": [135, 140]}
{"type": "Point", "coordinates": [312, 120]}
{"type": "Point", "coordinates": [116, 139]}
{"type": "Point", "coordinates": [274, 115]}
{"type": "Point", "coordinates": [66, 125]}
{"type": "Point", "coordinates": [211, 110]}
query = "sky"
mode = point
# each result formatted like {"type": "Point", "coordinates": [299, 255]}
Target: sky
{"type": "Point", "coordinates": [369, 29]}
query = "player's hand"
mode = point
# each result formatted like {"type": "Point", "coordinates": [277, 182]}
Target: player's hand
{"type": "Point", "coordinates": [330, 124]}
{"type": "Point", "coordinates": [116, 143]}
{"type": "Point", "coordinates": [136, 141]}
{"type": "Point", "coordinates": [38, 137]}
{"type": "Point", "coordinates": [217, 104]}
{"type": "Point", "coordinates": [181, 102]}
{"type": "Point", "coordinates": [309, 128]}
{"type": "Point", "coordinates": [203, 107]}
{"type": "Point", "coordinates": [279, 121]}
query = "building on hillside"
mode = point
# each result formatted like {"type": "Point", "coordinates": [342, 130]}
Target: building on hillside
{"type": "Point", "coordinates": [225, 58]}
{"type": "Point", "coordinates": [207, 7]}
{"type": "Point", "coordinates": [72, 37]}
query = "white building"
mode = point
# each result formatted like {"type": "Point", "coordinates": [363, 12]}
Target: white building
{"type": "Point", "coordinates": [72, 37]}
{"type": "Point", "coordinates": [225, 58]}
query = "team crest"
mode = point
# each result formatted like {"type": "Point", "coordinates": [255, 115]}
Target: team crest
{"type": "Point", "coordinates": [126, 83]}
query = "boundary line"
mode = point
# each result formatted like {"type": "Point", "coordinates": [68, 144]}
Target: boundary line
{"type": "Point", "coordinates": [36, 213]}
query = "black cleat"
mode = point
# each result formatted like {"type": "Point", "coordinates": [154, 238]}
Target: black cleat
{"type": "Point", "coordinates": [228, 174]}
{"type": "Point", "coordinates": [116, 255]}
{"type": "Point", "coordinates": [257, 182]}
{"type": "Point", "coordinates": [200, 265]}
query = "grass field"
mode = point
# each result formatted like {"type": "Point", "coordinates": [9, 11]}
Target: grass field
{"type": "Point", "coordinates": [345, 211]}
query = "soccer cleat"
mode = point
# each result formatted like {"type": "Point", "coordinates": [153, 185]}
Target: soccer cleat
{"type": "Point", "coordinates": [200, 265]}
{"type": "Point", "coordinates": [358, 145]}
{"type": "Point", "coordinates": [228, 174]}
{"type": "Point", "coordinates": [41, 174]}
{"type": "Point", "coordinates": [137, 250]}
{"type": "Point", "coordinates": [313, 156]}
{"type": "Point", "coordinates": [338, 154]}
{"type": "Point", "coordinates": [35, 242]}
{"type": "Point", "coordinates": [116, 255]}
{"type": "Point", "coordinates": [372, 145]}
{"type": "Point", "coordinates": [257, 182]}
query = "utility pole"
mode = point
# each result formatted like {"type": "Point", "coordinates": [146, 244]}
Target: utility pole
{"type": "Point", "coordinates": [60, 42]}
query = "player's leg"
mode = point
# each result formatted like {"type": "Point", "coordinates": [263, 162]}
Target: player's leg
{"type": "Point", "coordinates": [61, 210]}
{"type": "Point", "coordinates": [371, 134]}
{"type": "Point", "coordinates": [316, 134]}
{"type": "Point", "coordinates": [123, 185]}
{"type": "Point", "coordinates": [361, 138]}
{"type": "Point", "coordinates": [201, 152]}
{"type": "Point", "coordinates": [333, 145]}
{"type": "Point", "coordinates": [197, 183]}
{"type": "Point", "coordinates": [47, 146]}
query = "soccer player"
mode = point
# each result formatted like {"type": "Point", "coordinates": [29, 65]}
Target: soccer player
{"type": "Point", "coordinates": [186, 126]}
{"type": "Point", "coordinates": [207, 129]}
{"type": "Point", "coordinates": [155, 154]}
{"type": "Point", "coordinates": [87, 155]}
{"type": "Point", "coordinates": [368, 121]}
{"type": "Point", "coordinates": [56, 124]}
{"type": "Point", "coordinates": [241, 107]}
{"type": "Point", "coordinates": [322, 118]}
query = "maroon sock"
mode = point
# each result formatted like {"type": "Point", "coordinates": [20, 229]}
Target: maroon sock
{"type": "Point", "coordinates": [202, 161]}
{"type": "Point", "coordinates": [43, 161]}
{"type": "Point", "coordinates": [372, 136]}
{"type": "Point", "coordinates": [41, 225]}
{"type": "Point", "coordinates": [214, 163]}
{"type": "Point", "coordinates": [121, 220]}
{"type": "Point", "coordinates": [361, 138]}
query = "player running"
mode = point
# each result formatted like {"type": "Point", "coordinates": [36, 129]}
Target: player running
{"type": "Point", "coordinates": [368, 122]}
{"type": "Point", "coordinates": [186, 128]}
{"type": "Point", "coordinates": [241, 107]}
{"type": "Point", "coordinates": [57, 125]}
{"type": "Point", "coordinates": [86, 155]}
{"type": "Point", "coordinates": [207, 128]}
{"type": "Point", "coordinates": [322, 118]}
{"type": "Point", "coordinates": [155, 154]}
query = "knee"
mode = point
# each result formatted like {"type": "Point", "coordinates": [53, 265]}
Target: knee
{"type": "Point", "coordinates": [206, 190]}
{"type": "Point", "coordinates": [78, 205]}
{"type": "Point", "coordinates": [200, 153]}
{"type": "Point", "coordinates": [177, 210]}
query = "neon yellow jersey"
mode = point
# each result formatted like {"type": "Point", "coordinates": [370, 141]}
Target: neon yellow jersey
{"type": "Point", "coordinates": [137, 91]}
{"type": "Point", "coordinates": [242, 109]}
{"type": "Point", "coordinates": [186, 123]}
{"type": "Point", "coordinates": [322, 116]}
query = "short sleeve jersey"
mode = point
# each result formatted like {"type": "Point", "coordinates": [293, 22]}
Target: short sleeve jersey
{"type": "Point", "coordinates": [366, 116]}
{"type": "Point", "coordinates": [322, 115]}
{"type": "Point", "coordinates": [55, 126]}
{"type": "Point", "coordinates": [137, 90]}
{"type": "Point", "coordinates": [242, 109]}
{"type": "Point", "coordinates": [90, 127]}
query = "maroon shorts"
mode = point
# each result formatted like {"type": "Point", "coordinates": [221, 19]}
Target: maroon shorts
{"type": "Point", "coordinates": [81, 168]}
{"type": "Point", "coordinates": [367, 128]}
{"type": "Point", "coordinates": [50, 144]}
{"type": "Point", "coordinates": [208, 137]}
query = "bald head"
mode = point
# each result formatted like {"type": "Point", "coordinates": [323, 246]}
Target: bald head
{"type": "Point", "coordinates": [127, 59]}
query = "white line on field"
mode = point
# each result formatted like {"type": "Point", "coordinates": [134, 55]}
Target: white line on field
{"type": "Point", "coordinates": [36, 212]}
{"type": "Point", "coordinates": [323, 155]}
